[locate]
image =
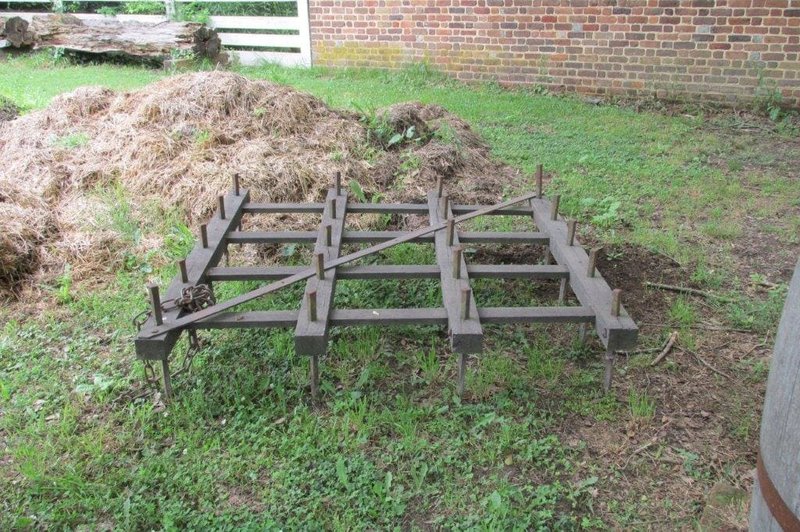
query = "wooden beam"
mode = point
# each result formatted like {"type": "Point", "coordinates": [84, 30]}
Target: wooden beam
{"type": "Point", "coordinates": [311, 336]}
{"type": "Point", "coordinates": [617, 333]}
{"type": "Point", "coordinates": [466, 335]}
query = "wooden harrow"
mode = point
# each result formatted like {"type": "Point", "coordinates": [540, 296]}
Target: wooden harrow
{"type": "Point", "coordinates": [566, 260]}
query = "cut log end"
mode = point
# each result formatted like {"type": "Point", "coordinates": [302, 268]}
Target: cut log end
{"type": "Point", "coordinates": [15, 33]}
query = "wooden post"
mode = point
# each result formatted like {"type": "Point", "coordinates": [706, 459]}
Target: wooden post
{"type": "Point", "coordinates": [571, 226]}
{"type": "Point", "coordinates": [328, 235]}
{"type": "Point", "coordinates": [592, 261]}
{"type": "Point", "coordinates": [338, 183]}
{"type": "Point", "coordinates": [554, 207]}
{"type": "Point", "coordinates": [221, 200]}
{"type": "Point", "coordinates": [451, 230]}
{"type": "Point", "coordinates": [320, 264]}
{"type": "Point", "coordinates": [445, 204]}
{"type": "Point", "coordinates": [236, 188]}
{"type": "Point", "coordinates": [457, 262]}
{"type": "Point", "coordinates": [333, 208]}
{"type": "Point", "coordinates": [169, 8]}
{"type": "Point", "coordinates": [155, 303]}
{"type": "Point", "coordinates": [204, 235]}
{"type": "Point", "coordinates": [439, 187]}
{"type": "Point", "coordinates": [466, 293]}
{"type": "Point", "coordinates": [184, 273]}
{"type": "Point", "coordinates": [562, 291]}
{"type": "Point", "coordinates": [312, 305]}
{"type": "Point", "coordinates": [616, 296]}
{"type": "Point", "coordinates": [776, 499]}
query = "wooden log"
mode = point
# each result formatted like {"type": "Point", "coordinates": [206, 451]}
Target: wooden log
{"type": "Point", "coordinates": [132, 40]}
{"type": "Point", "coordinates": [15, 33]}
{"type": "Point", "coordinates": [776, 497]}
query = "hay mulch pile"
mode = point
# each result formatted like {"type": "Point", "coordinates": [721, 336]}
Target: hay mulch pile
{"type": "Point", "coordinates": [71, 169]}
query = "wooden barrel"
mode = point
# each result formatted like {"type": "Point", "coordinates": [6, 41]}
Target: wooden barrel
{"type": "Point", "coordinates": [776, 493]}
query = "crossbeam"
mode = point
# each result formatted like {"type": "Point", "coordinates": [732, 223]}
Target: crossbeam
{"type": "Point", "coordinates": [369, 237]}
{"type": "Point", "coordinates": [390, 317]}
{"type": "Point", "coordinates": [391, 271]}
{"type": "Point", "coordinates": [374, 208]}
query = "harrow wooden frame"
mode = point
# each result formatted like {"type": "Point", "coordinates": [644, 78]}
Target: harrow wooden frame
{"type": "Point", "coordinates": [599, 305]}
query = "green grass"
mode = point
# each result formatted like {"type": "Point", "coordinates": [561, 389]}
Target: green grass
{"type": "Point", "coordinates": [390, 444]}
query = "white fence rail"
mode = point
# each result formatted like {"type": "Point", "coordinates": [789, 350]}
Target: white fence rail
{"type": "Point", "coordinates": [253, 39]}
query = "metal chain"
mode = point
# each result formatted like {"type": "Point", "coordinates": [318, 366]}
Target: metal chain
{"type": "Point", "coordinates": [192, 299]}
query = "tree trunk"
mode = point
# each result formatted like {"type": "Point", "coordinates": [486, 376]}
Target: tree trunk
{"type": "Point", "coordinates": [133, 40]}
{"type": "Point", "coordinates": [15, 33]}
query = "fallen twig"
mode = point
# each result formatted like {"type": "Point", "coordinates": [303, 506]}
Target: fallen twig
{"type": "Point", "coordinates": [706, 364]}
{"type": "Point", "coordinates": [687, 290]}
{"type": "Point", "coordinates": [647, 445]}
{"type": "Point", "coordinates": [700, 327]}
{"type": "Point", "coordinates": [667, 348]}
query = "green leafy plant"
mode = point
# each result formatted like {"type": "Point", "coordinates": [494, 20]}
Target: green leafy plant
{"type": "Point", "coordinates": [64, 286]}
{"type": "Point", "coordinates": [602, 212]}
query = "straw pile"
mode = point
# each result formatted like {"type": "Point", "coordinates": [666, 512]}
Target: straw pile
{"type": "Point", "coordinates": [176, 144]}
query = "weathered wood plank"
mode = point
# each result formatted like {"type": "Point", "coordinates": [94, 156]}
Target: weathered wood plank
{"type": "Point", "coordinates": [466, 335]}
{"type": "Point", "coordinates": [370, 237]}
{"type": "Point", "coordinates": [311, 335]}
{"type": "Point", "coordinates": [376, 208]}
{"type": "Point", "coordinates": [391, 317]}
{"type": "Point", "coordinates": [391, 271]}
{"type": "Point", "coordinates": [617, 333]}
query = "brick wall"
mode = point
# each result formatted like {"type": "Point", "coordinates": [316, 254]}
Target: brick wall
{"type": "Point", "coordinates": [719, 49]}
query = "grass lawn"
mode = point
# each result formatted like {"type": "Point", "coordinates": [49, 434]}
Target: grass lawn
{"type": "Point", "coordinates": [697, 198]}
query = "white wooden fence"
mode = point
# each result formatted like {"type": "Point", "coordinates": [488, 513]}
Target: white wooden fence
{"type": "Point", "coordinates": [247, 37]}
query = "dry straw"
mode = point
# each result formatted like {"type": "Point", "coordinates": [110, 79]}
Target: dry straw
{"type": "Point", "coordinates": [176, 144]}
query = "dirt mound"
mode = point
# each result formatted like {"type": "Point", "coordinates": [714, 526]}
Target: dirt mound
{"type": "Point", "coordinates": [94, 155]}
